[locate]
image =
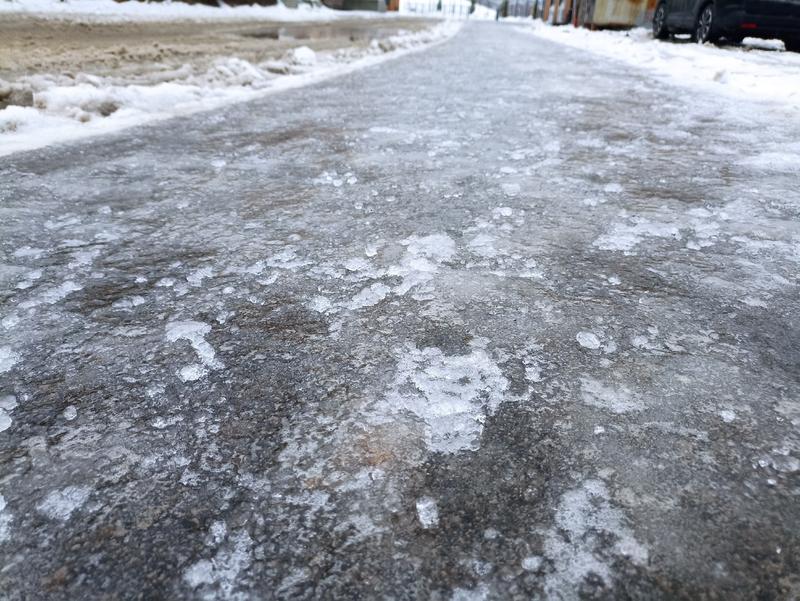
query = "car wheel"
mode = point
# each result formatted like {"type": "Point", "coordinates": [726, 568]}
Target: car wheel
{"type": "Point", "coordinates": [792, 45]}
{"type": "Point", "coordinates": [660, 31]}
{"type": "Point", "coordinates": [705, 26]}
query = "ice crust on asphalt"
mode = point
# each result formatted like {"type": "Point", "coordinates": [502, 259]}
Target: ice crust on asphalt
{"type": "Point", "coordinates": [593, 381]}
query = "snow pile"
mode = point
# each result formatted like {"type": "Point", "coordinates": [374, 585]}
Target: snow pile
{"type": "Point", "coordinates": [108, 11]}
{"type": "Point", "coordinates": [67, 108]}
{"type": "Point", "coordinates": [748, 71]}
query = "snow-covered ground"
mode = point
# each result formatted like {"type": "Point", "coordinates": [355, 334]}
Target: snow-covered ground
{"type": "Point", "coordinates": [110, 11]}
{"type": "Point", "coordinates": [68, 108]}
{"type": "Point", "coordinates": [758, 70]}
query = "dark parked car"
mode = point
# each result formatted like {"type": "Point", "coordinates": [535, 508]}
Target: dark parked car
{"type": "Point", "coordinates": [710, 20]}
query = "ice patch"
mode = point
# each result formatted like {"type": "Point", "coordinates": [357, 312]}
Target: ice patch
{"type": "Point", "coordinates": [194, 332]}
{"type": "Point", "coordinates": [128, 303]}
{"type": "Point", "coordinates": [81, 258]}
{"type": "Point", "coordinates": [356, 264]}
{"type": "Point", "coordinates": [198, 275]}
{"type": "Point", "coordinates": [59, 504]}
{"type": "Point", "coordinates": [751, 301]}
{"type": "Point", "coordinates": [369, 296]}
{"type": "Point", "coordinates": [7, 405]}
{"type": "Point", "coordinates": [532, 563]}
{"type": "Point", "coordinates": [588, 530]}
{"type": "Point", "coordinates": [479, 593]}
{"type": "Point", "coordinates": [588, 340]}
{"type": "Point", "coordinates": [286, 259]}
{"type": "Point", "coordinates": [451, 395]}
{"type": "Point", "coordinates": [8, 358]}
{"type": "Point", "coordinates": [192, 373]}
{"type": "Point", "coordinates": [615, 399]}
{"type": "Point", "coordinates": [320, 304]}
{"type": "Point", "coordinates": [5, 520]}
{"type": "Point", "coordinates": [27, 252]}
{"type": "Point", "coordinates": [625, 236]}
{"type": "Point", "coordinates": [511, 190]}
{"type": "Point", "coordinates": [428, 512]}
{"type": "Point", "coordinates": [223, 570]}
{"type": "Point", "coordinates": [52, 295]}
{"type": "Point", "coordinates": [10, 321]}
{"type": "Point", "coordinates": [483, 246]}
{"type": "Point", "coordinates": [421, 260]}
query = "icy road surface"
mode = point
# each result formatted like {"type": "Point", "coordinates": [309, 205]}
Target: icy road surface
{"type": "Point", "coordinates": [467, 325]}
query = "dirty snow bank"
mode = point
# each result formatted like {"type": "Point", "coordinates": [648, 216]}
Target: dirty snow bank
{"type": "Point", "coordinates": [108, 11]}
{"type": "Point", "coordinates": [748, 71]}
{"type": "Point", "coordinates": [68, 108]}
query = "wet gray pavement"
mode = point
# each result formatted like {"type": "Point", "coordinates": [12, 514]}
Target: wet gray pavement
{"type": "Point", "coordinates": [497, 320]}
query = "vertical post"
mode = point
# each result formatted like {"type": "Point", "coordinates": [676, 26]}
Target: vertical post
{"type": "Point", "coordinates": [567, 6]}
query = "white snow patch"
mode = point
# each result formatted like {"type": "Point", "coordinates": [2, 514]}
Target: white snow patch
{"type": "Point", "coordinates": [192, 373]}
{"type": "Point", "coordinates": [59, 504]}
{"type": "Point", "coordinates": [128, 303]}
{"type": "Point", "coordinates": [8, 358]}
{"type": "Point", "coordinates": [451, 395]}
{"type": "Point", "coordinates": [483, 245]}
{"type": "Point", "coordinates": [52, 295]}
{"type": "Point", "coordinates": [5, 520]}
{"type": "Point", "coordinates": [585, 524]}
{"type": "Point", "coordinates": [625, 236]}
{"type": "Point", "coordinates": [223, 570]}
{"type": "Point", "coordinates": [194, 332]}
{"type": "Point", "coordinates": [303, 55]}
{"type": "Point", "coordinates": [588, 340]}
{"type": "Point", "coordinates": [428, 512]}
{"type": "Point", "coordinates": [532, 563]}
{"type": "Point", "coordinates": [422, 259]}
{"type": "Point", "coordinates": [320, 304]}
{"type": "Point", "coordinates": [198, 275]}
{"type": "Point", "coordinates": [369, 296]}
{"type": "Point", "coordinates": [27, 252]}
{"type": "Point", "coordinates": [752, 301]}
{"type": "Point", "coordinates": [479, 593]}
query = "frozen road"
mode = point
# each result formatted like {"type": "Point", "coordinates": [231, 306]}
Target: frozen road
{"type": "Point", "coordinates": [498, 320]}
